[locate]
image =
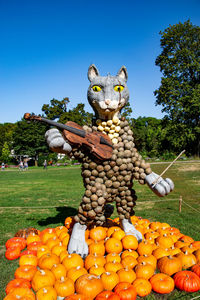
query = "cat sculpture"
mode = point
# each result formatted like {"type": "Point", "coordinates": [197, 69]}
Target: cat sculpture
{"type": "Point", "coordinates": [110, 180]}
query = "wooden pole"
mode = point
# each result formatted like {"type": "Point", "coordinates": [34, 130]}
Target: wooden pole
{"type": "Point", "coordinates": [180, 203]}
{"type": "Point", "coordinates": [165, 170]}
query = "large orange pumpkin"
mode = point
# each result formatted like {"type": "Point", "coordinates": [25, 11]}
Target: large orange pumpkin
{"type": "Point", "coordinates": [187, 281]}
{"type": "Point", "coordinates": [162, 283]}
{"type": "Point", "coordinates": [89, 285]}
{"type": "Point", "coordinates": [109, 280]}
{"type": "Point", "coordinates": [42, 278]}
{"type": "Point", "coordinates": [169, 265]}
{"type": "Point", "coordinates": [125, 291]}
{"type": "Point", "coordinates": [142, 286]}
{"type": "Point", "coordinates": [64, 287]}
{"type": "Point", "coordinates": [20, 293]}
{"type": "Point", "coordinates": [17, 283]}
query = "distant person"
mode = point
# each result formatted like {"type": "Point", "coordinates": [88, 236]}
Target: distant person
{"type": "Point", "coordinates": [45, 165]}
{"type": "Point", "coordinates": [25, 166]}
{"type": "Point", "coordinates": [21, 166]}
{"type": "Point", "coordinates": [2, 166]}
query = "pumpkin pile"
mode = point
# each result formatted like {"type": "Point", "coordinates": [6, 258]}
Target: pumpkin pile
{"type": "Point", "coordinates": [117, 267]}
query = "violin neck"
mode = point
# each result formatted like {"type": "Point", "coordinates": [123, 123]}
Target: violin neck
{"type": "Point", "coordinates": [76, 131]}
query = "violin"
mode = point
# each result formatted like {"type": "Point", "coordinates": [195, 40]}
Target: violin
{"type": "Point", "coordinates": [98, 143]}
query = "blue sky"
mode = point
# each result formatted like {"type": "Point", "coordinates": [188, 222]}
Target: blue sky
{"type": "Point", "coordinates": [46, 48]}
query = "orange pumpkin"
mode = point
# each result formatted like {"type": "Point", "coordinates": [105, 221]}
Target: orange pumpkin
{"type": "Point", "coordinates": [89, 285]}
{"type": "Point", "coordinates": [113, 245]}
{"type": "Point", "coordinates": [20, 293]}
{"type": "Point", "coordinates": [46, 234]}
{"type": "Point", "coordinates": [150, 259]}
{"type": "Point", "coordinates": [107, 295]}
{"type": "Point", "coordinates": [25, 272]}
{"type": "Point", "coordinates": [59, 271]}
{"type": "Point", "coordinates": [32, 238]}
{"type": "Point", "coordinates": [162, 283]}
{"type": "Point", "coordinates": [197, 255]}
{"type": "Point", "coordinates": [196, 269]}
{"type": "Point", "coordinates": [46, 293]}
{"type": "Point", "coordinates": [93, 259]}
{"type": "Point", "coordinates": [113, 257]}
{"type": "Point", "coordinates": [42, 278]}
{"type": "Point", "coordinates": [129, 252]}
{"type": "Point", "coordinates": [187, 259]}
{"type": "Point", "coordinates": [144, 270]}
{"type": "Point", "coordinates": [109, 280]}
{"type": "Point", "coordinates": [28, 259]}
{"type": "Point", "coordinates": [97, 247]}
{"type": "Point", "coordinates": [142, 286]}
{"type": "Point", "coordinates": [72, 260]}
{"type": "Point", "coordinates": [76, 297]}
{"type": "Point", "coordinates": [169, 265]}
{"type": "Point", "coordinates": [20, 282]}
{"type": "Point", "coordinates": [96, 270]}
{"type": "Point", "coordinates": [113, 266]}
{"type": "Point", "coordinates": [144, 248]}
{"type": "Point", "coordinates": [118, 234]}
{"type": "Point", "coordinates": [165, 241]}
{"type": "Point", "coordinates": [47, 261]}
{"type": "Point", "coordinates": [125, 291]}
{"type": "Point", "coordinates": [129, 262]}
{"type": "Point", "coordinates": [126, 275]}
{"type": "Point", "coordinates": [98, 233]}
{"type": "Point", "coordinates": [130, 242]}
{"type": "Point", "coordinates": [76, 272]}
{"type": "Point", "coordinates": [64, 287]}
{"type": "Point", "coordinates": [57, 249]}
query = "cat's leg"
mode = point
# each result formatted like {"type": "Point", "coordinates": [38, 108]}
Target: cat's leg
{"type": "Point", "coordinates": [125, 210]}
{"type": "Point", "coordinates": [90, 211]}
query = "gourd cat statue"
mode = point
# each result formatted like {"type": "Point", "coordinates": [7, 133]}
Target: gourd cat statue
{"type": "Point", "coordinates": [109, 180]}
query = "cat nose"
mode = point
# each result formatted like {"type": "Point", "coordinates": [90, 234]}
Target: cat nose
{"type": "Point", "coordinates": [107, 101]}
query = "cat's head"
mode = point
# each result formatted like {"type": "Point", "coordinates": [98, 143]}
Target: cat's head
{"type": "Point", "coordinates": [107, 94]}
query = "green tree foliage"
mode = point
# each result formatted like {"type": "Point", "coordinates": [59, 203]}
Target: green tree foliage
{"type": "Point", "coordinates": [6, 135]}
{"type": "Point", "coordinates": [5, 155]}
{"type": "Point", "coordinates": [29, 139]}
{"type": "Point", "coordinates": [147, 135]}
{"type": "Point", "coordinates": [179, 92]}
{"type": "Point", "coordinates": [127, 111]}
{"type": "Point", "coordinates": [58, 109]}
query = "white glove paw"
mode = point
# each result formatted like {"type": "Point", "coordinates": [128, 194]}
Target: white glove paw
{"type": "Point", "coordinates": [162, 187]}
{"type": "Point", "coordinates": [129, 229]}
{"type": "Point", "coordinates": [77, 243]}
{"type": "Point", "coordinates": [56, 142]}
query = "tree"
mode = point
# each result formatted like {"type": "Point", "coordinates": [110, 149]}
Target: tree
{"type": "Point", "coordinates": [5, 156]}
{"type": "Point", "coordinates": [179, 92]}
{"type": "Point", "coordinates": [6, 135]}
{"type": "Point", "coordinates": [147, 135]}
{"type": "Point", "coordinates": [127, 111]}
{"type": "Point", "coordinates": [29, 139]}
{"type": "Point", "coordinates": [58, 109]}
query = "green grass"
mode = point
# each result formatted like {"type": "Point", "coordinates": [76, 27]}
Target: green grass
{"type": "Point", "coordinates": [40, 198]}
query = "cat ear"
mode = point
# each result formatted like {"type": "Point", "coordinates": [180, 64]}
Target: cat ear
{"type": "Point", "coordinates": [92, 72]}
{"type": "Point", "coordinates": [123, 73]}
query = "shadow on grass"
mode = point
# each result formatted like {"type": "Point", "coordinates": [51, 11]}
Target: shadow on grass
{"type": "Point", "coordinates": [63, 213]}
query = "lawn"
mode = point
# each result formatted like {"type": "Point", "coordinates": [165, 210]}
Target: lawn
{"type": "Point", "coordinates": [40, 198]}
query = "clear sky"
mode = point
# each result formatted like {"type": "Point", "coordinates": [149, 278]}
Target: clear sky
{"type": "Point", "coordinates": [46, 48]}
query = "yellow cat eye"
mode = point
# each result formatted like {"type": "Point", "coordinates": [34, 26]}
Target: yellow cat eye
{"type": "Point", "coordinates": [118, 88]}
{"type": "Point", "coordinates": [96, 88]}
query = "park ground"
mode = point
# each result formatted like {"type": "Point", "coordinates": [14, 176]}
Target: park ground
{"type": "Point", "coordinates": [44, 198]}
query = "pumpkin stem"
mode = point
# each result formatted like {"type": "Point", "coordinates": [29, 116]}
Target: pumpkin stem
{"type": "Point", "coordinates": [42, 272]}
